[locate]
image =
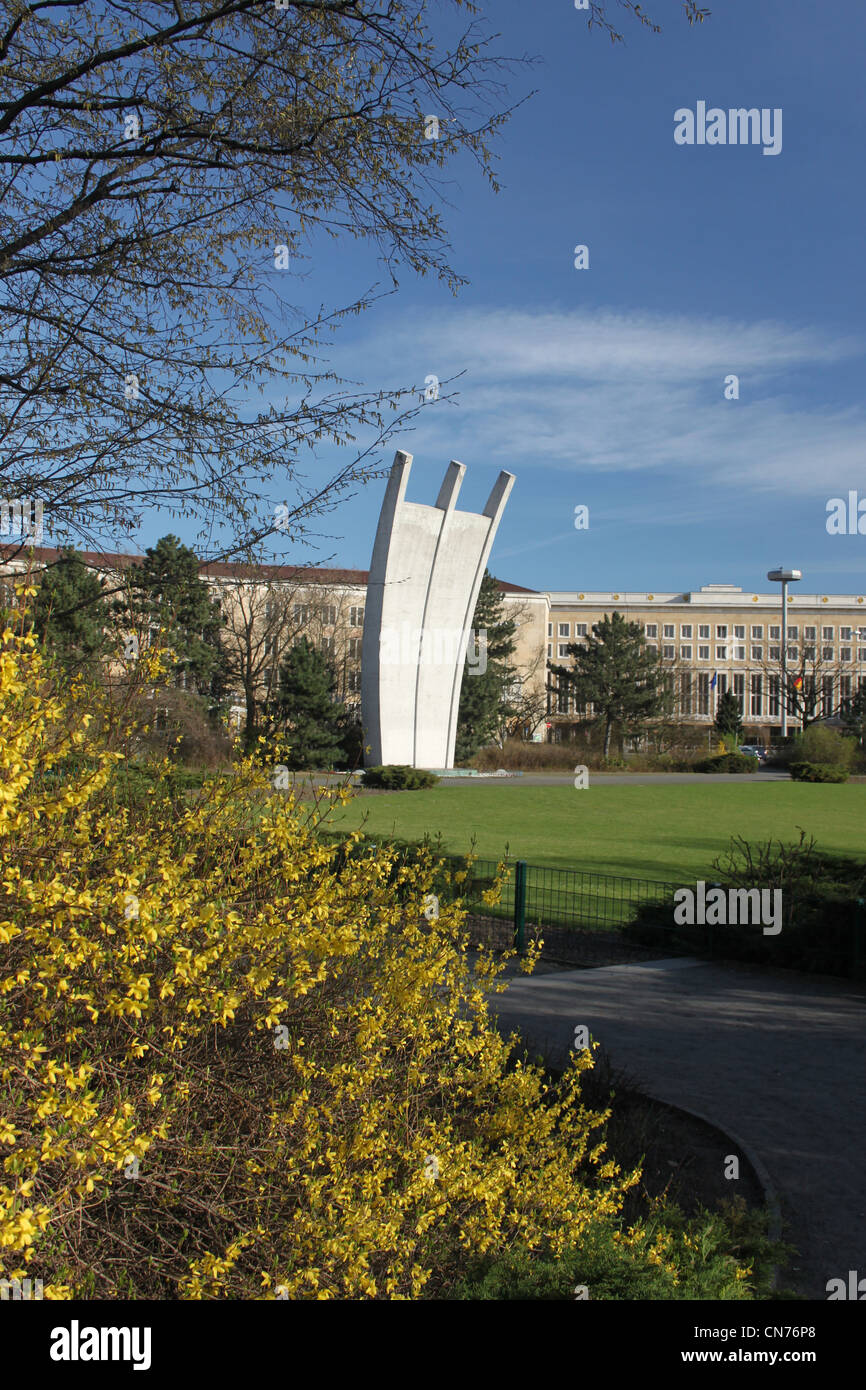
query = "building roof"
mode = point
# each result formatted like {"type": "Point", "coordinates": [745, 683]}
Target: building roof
{"type": "Point", "coordinates": [224, 569]}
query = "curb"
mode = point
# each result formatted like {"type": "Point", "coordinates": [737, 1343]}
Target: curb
{"type": "Point", "coordinates": [755, 1163]}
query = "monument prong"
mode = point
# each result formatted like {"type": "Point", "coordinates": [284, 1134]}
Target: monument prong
{"type": "Point", "coordinates": [425, 574]}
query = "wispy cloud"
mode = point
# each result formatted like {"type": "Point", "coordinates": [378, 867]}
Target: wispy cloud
{"type": "Point", "coordinates": [605, 392]}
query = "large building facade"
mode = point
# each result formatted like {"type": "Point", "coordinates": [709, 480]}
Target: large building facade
{"type": "Point", "coordinates": [716, 638]}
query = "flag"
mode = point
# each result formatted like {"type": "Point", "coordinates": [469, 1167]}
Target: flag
{"type": "Point", "coordinates": [798, 683]}
{"type": "Point", "coordinates": [714, 680]}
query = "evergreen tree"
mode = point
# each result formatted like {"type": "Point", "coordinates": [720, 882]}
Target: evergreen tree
{"type": "Point", "coordinates": [315, 722]}
{"type": "Point", "coordinates": [482, 703]}
{"type": "Point", "coordinates": [616, 673]}
{"type": "Point", "coordinates": [853, 716]}
{"type": "Point", "coordinates": [728, 721]}
{"type": "Point", "coordinates": [70, 614]}
{"type": "Point", "coordinates": [167, 593]}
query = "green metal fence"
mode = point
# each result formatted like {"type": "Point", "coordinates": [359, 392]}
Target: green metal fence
{"type": "Point", "coordinates": [536, 896]}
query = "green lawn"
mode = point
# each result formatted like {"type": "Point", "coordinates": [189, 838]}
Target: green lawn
{"type": "Point", "coordinates": [636, 830]}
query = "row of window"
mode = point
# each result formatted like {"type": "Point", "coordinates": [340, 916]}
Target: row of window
{"type": "Point", "coordinates": [704, 652]}
{"type": "Point", "coordinates": [696, 696]}
{"type": "Point", "coordinates": [737, 631]}
{"type": "Point", "coordinates": [327, 613]}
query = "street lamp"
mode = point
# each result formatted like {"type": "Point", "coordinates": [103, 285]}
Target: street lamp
{"type": "Point", "coordinates": [784, 577]}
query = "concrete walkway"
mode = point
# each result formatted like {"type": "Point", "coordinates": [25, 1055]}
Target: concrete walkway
{"type": "Point", "coordinates": [775, 1058]}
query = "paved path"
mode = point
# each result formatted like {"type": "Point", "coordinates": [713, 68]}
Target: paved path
{"type": "Point", "coordinates": [775, 1058]}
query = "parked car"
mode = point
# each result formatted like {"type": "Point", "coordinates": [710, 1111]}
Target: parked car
{"type": "Point", "coordinates": [754, 750]}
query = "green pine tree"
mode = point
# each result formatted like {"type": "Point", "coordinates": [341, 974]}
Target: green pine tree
{"type": "Point", "coordinates": [616, 673]}
{"type": "Point", "coordinates": [70, 614]}
{"type": "Point", "coordinates": [168, 594]}
{"type": "Point", "coordinates": [482, 694]}
{"type": "Point", "coordinates": [314, 721]}
{"type": "Point", "coordinates": [728, 721]}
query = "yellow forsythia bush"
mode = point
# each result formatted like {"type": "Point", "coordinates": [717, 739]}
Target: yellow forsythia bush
{"type": "Point", "coordinates": [237, 1064]}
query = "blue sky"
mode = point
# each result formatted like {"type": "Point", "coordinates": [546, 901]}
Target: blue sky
{"type": "Point", "coordinates": [605, 386]}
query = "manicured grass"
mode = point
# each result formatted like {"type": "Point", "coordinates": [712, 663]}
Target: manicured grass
{"type": "Point", "coordinates": [637, 830]}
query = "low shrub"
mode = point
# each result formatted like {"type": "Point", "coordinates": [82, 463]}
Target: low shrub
{"type": "Point", "coordinates": [817, 772]}
{"type": "Point", "coordinates": [822, 916]}
{"type": "Point", "coordinates": [398, 777]}
{"type": "Point", "coordinates": [727, 762]}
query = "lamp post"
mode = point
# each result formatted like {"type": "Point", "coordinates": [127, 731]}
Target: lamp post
{"type": "Point", "coordinates": [784, 577]}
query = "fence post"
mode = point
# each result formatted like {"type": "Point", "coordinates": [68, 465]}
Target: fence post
{"type": "Point", "coordinates": [520, 906]}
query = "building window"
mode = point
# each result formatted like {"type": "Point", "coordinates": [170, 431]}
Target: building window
{"type": "Point", "coordinates": [739, 653]}
{"type": "Point", "coordinates": [668, 630]}
{"type": "Point", "coordinates": [774, 685]}
{"type": "Point", "coordinates": [721, 684]}
{"type": "Point", "coordinates": [793, 653]}
{"type": "Point", "coordinates": [549, 650]}
{"type": "Point", "coordinates": [826, 653]}
{"type": "Point", "coordinates": [651, 630]}
{"type": "Point", "coordinates": [270, 646]}
{"type": "Point", "coordinates": [827, 696]}
{"type": "Point", "coordinates": [758, 632]}
{"type": "Point", "coordinates": [809, 634]}
{"type": "Point", "coordinates": [562, 701]}
{"type": "Point", "coordinates": [844, 634]}
{"type": "Point", "coordinates": [353, 682]}
{"type": "Point", "coordinates": [565, 629]}
{"type": "Point", "coordinates": [844, 693]}
{"type": "Point", "coordinates": [268, 676]}
{"type": "Point", "coordinates": [740, 692]}
{"type": "Point", "coordinates": [794, 632]}
{"type": "Point", "coordinates": [704, 630]}
{"type": "Point", "coordinates": [686, 693]}
{"type": "Point", "coordinates": [301, 612]}
{"type": "Point", "coordinates": [356, 616]}
{"type": "Point", "coordinates": [775, 653]}
{"type": "Point", "coordinates": [669, 652]}
{"type": "Point", "coordinates": [827, 634]}
{"type": "Point", "coordinates": [757, 697]}
{"type": "Point", "coordinates": [721, 653]}
{"type": "Point", "coordinates": [703, 693]}
{"type": "Point", "coordinates": [580, 629]}
{"type": "Point", "coordinates": [686, 653]}
{"type": "Point", "coordinates": [808, 653]}
{"type": "Point", "coordinates": [775, 633]}
{"type": "Point", "coordinates": [757, 653]}
{"type": "Point", "coordinates": [703, 653]}
{"type": "Point", "coordinates": [722, 630]}
{"type": "Point", "coordinates": [329, 614]}
{"type": "Point", "coordinates": [562, 649]}
{"type": "Point", "coordinates": [844, 653]}
{"type": "Point", "coordinates": [328, 646]}
{"type": "Point", "coordinates": [686, 631]}
{"type": "Point", "coordinates": [861, 653]}
{"type": "Point", "coordinates": [355, 644]}
{"type": "Point", "coordinates": [550, 629]}
{"type": "Point", "coordinates": [652, 646]}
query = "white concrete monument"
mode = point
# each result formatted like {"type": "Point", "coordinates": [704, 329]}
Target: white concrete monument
{"type": "Point", "coordinates": [425, 574]}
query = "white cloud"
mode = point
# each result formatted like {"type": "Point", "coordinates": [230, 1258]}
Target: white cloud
{"type": "Point", "coordinates": [601, 392]}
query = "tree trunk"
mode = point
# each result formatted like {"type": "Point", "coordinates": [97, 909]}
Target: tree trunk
{"type": "Point", "coordinates": [608, 725]}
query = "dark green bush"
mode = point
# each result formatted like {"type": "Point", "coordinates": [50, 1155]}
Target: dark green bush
{"type": "Point", "coordinates": [395, 777]}
{"type": "Point", "coordinates": [727, 762]}
{"type": "Point", "coordinates": [817, 772]}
